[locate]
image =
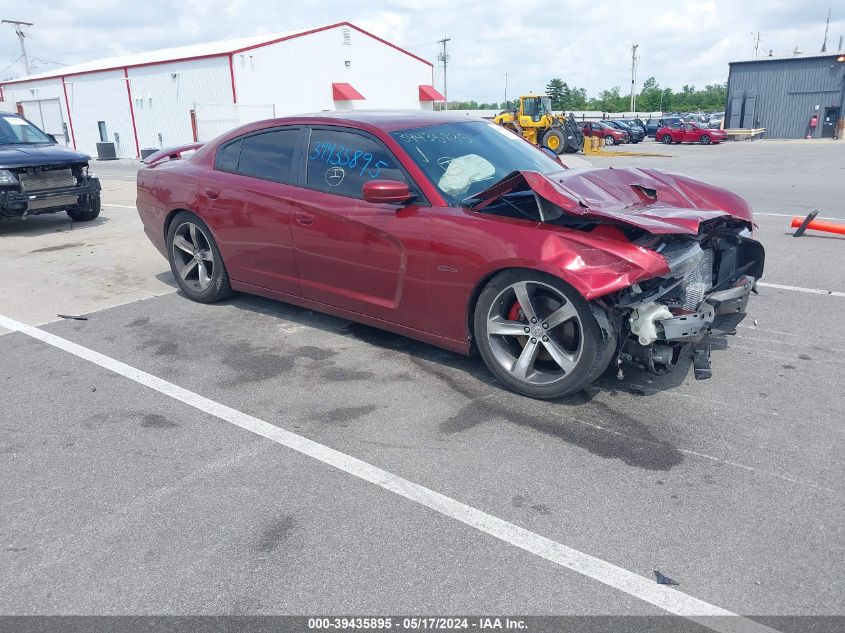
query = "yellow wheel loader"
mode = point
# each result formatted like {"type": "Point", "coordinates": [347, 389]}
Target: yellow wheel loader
{"type": "Point", "coordinates": [535, 122]}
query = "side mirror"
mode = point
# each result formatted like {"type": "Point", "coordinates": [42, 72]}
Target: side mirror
{"type": "Point", "coordinates": [551, 153]}
{"type": "Point", "coordinates": [386, 191]}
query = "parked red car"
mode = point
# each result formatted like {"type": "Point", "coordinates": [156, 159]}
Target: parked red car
{"type": "Point", "coordinates": [460, 234]}
{"type": "Point", "coordinates": [611, 135]}
{"type": "Point", "coordinates": [689, 133]}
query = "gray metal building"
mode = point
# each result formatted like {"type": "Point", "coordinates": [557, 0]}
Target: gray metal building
{"type": "Point", "coordinates": [792, 97]}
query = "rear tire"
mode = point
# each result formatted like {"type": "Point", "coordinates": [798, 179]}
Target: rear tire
{"type": "Point", "coordinates": [562, 351]}
{"type": "Point", "coordinates": [87, 211]}
{"type": "Point", "coordinates": [667, 140]}
{"type": "Point", "coordinates": [195, 260]}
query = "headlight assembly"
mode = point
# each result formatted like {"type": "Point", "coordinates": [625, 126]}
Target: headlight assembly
{"type": "Point", "coordinates": [7, 178]}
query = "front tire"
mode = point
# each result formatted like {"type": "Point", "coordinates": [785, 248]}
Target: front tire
{"type": "Point", "coordinates": [88, 210]}
{"type": "Point", "coordinates": [538, 336]}
{"type": "Point", "coordinates": [555, 140]}
{"type": "Point", "coordinates": [704, 140]}
{"type": "Point", "coordinates": [195, 260]}
{"type": "Point", "coordinates": [609, 140]}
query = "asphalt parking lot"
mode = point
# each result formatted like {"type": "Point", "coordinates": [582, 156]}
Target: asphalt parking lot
{"type": "Point", "coordinates": [126, 499]}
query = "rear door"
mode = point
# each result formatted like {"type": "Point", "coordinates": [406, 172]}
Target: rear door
{"type": "Point", "coordinates": [247, 198]}
{"type": "Point", "coordinates": [355, 255]}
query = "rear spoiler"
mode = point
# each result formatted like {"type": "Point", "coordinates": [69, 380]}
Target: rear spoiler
{"type": "Point", "coordinates": [171, 153]}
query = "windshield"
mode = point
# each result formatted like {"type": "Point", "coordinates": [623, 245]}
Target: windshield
{"type": "Point", "coordinates": [14, 130]}
{"type": "Point", "coordinates": [463, 159]}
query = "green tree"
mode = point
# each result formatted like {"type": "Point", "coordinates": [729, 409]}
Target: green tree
{"type": "Point", "coordinates": [650, 96]}
{"type": "Point", "coordinates": [609, 101]}
{"type": "Point", "coordinates": [556, 89]}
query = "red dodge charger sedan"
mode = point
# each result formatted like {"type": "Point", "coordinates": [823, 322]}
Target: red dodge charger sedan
{"type": "Point", "coordinates": [461, 234]}
{"type": "Point", "coordinates": [689, 133]}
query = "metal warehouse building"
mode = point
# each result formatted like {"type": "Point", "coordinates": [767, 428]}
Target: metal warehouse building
{"type": "Point", "coordinates": [168, 97]}
{"type": "Point", "coordinates": [792, 97]}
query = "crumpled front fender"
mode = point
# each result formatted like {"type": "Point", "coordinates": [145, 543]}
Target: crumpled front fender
{"type": "Point", "coordinates": [595, 266]}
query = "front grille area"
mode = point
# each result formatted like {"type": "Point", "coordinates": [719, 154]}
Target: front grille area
{"type": "Point", "coordinates": [698, 281]}
{"type": "Point", "coordinates": [53, 179]}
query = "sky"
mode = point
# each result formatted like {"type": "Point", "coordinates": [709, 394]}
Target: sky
{"type": "Point", "coordinates": [586, 43]}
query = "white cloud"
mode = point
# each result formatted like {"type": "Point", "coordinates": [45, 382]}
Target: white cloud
{"type": "Point", "coordinates": [584, 42]}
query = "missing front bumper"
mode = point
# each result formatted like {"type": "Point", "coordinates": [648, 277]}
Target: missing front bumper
{"type": "Point", "coordinates": [719, 314]}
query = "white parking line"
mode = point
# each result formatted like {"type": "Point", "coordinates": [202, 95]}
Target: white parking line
{"type": "Point", "coordinates": [798, 215]}
{"type": "Point", "coordinates": [119, 206]}
{"type": "Point", "coordinates": [645, 589]}
{"type": "Point", "coordinates": [815, 291]}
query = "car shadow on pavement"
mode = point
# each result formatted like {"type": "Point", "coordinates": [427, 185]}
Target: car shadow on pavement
{"type": "Point", "coordinates": [635, 382]}
{"type": "Point", "coordinates": [36, 225]}
{"type": "Point", "coordinates": [599, 418]}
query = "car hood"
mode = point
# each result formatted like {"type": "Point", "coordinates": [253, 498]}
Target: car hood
{"type": "Point", "coordinates": [656, 201]}
{"type": "Point", "coordinates": [12, 156]}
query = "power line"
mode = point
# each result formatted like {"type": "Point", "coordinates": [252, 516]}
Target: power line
{"type": "Point", "coordinates": [18, 26]}
{"type": "Point", "coordinates": [15, 61]}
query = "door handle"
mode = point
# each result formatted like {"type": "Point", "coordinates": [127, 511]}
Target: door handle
{"type": "Point", "coordinates": [212, 193]}
{"type": "Point", "coordinates": [306, 219]}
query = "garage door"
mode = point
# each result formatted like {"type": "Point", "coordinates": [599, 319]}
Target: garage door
{"type": "Point", "coordinates": [47, 114]}
{"type": "Point", "coordinates": [214, 119]}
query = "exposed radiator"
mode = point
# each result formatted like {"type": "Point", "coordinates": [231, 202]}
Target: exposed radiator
{"type": "Point", "coordinates": [698, 281]}
{"type": "Point", "coordinates": [44, 180]}
{"type": "Point", "coordinates": [47, 180]}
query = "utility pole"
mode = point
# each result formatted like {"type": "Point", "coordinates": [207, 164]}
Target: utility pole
{"type": "Point", "coordinates": [19, 30]}
{"type": "Point", "coordinates": [444, 57]}
{"type": "Point", "coordinates": [506, 90]}
{"type": "Point", "coordinates": [826, 29]}
{"type": "Point", "coordinates": [634, 48]}
{"type": "Point", "coordinates": [757, 37]}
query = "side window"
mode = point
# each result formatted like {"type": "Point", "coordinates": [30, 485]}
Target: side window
{"type": "Point", "coordinates": [227, 160]}
{"type": "Point", "coordinates": [269, 155]}
{"type": "Point", "coordinates": [341, 162]}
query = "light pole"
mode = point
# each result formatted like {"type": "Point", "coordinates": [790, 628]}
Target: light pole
{"type": "Point", "coordinates": [18, 24]}
{"type": "Point", "coordinates": [634, 48]}
{"type": "Point", "coordinates": [444, 57]}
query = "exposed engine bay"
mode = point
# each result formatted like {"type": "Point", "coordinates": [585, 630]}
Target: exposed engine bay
{"type": "Point", "coordinates": [706, 293]}
{"type": "Point", "coordinates": [713, 262]}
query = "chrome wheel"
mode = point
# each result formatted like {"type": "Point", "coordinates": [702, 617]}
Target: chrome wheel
{"type": "Point", "coordinates": [192, 256]}
{"type": "Point", "coordinates": [534, 332]}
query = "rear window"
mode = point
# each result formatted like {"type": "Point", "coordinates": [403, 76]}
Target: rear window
{"type": "Point", "coordinates": [267, 155]}
{"type": "Point", "coordinates": [229, 155]}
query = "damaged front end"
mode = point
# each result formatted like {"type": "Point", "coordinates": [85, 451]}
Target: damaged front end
{"type": "Point", "coordinates": [701, 232]}
{"type": "Point", "coordinates": [705, 294]}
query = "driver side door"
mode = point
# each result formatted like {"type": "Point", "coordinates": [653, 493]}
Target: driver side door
{"type": "Point", "coordinates": [691, 133]}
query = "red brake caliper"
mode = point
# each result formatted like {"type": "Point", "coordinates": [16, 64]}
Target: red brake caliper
{"type": "Point", "coordinates": [515, 313]}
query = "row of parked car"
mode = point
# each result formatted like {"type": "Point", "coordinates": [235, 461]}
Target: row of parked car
{"type": "Point", "coordinates": [668, 130]}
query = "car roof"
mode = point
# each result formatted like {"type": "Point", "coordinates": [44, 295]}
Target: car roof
{"type": "Point", "coordinates": [387, 120]}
